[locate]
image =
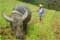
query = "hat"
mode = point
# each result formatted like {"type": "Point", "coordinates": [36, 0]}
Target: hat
{"type": "Point", "coordinates": [41, 5]}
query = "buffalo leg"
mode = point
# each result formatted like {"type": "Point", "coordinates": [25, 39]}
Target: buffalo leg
{"type": "Point", "coordinates": [25, 28]}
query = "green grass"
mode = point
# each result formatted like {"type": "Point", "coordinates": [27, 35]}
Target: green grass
{"type": "Point", "coordinates": [36, 30]}
{"type": "Point", "coordinates": [7, 6]}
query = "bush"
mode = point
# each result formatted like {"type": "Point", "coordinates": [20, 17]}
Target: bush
{"type": "Point", "coordinates": [55, 4]}
{"type": "Point", "coordinates": [51, 4]}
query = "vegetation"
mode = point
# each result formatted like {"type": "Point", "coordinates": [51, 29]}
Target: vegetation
{"type": "Point", "coordinates": [51, 4]}
{"type": "Point", "coordinates": [55, 4]}
{"type": "Point", "coordinates": [48, 29]}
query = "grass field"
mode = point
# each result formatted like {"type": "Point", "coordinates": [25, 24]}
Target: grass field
{"type": "Point", "coordinates": [48, 29]}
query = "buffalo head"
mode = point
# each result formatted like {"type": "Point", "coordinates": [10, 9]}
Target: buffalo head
{"type": "Point", "coordinates": [16, 20]}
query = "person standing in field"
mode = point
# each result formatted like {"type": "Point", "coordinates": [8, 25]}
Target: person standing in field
{"type": "Point", "coordinates": [40, 11]}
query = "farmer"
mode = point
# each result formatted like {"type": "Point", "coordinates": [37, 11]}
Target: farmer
{"type": "Point", "coordinates": [40, 11]}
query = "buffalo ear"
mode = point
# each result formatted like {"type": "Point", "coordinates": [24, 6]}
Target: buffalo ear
{"type": "Point", "coordinates": [25, 14]}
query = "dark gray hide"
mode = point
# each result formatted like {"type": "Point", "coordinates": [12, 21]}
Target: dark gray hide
{"type": "Point", "coordinates": [18, 25]}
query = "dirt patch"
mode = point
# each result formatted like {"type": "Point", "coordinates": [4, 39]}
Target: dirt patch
{"type": "Point", "coordinates": [6, 33]}
{"type": "Point", "coordinates": [56, 27]}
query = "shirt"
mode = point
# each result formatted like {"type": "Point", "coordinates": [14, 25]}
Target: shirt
{"type": "Point", "coordinates": [41, 10]}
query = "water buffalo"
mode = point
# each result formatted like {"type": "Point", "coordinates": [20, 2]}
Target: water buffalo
{"type": "Point", "coordinates": [19, 18]}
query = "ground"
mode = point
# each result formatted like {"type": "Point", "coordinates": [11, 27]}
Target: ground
{"type": "Point", "coordinates": [48, 29]}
